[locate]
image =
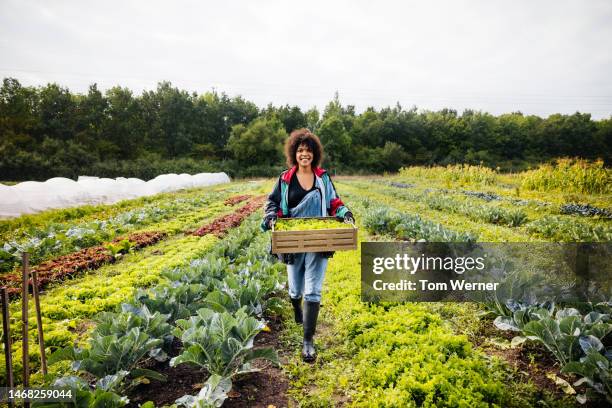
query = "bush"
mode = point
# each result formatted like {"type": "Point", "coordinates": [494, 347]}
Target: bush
{"type": "Point", "coordinates": [462, 173]}
{"type": "Point", "coordinates": [570, 176]}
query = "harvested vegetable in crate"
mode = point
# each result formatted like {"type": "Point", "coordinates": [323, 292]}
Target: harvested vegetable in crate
{"type": "Point", "coordinates": [316, 234]}
{"type": "Point", "coordinates": [307, 224]}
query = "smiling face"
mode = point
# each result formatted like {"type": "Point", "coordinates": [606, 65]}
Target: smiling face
{"type": "Point", "coordinates": [303, 155]}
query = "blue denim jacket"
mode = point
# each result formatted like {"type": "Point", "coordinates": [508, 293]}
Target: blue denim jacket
{"type": "Point", "coordinates": [278, 201]}
{"type": "Point", "coordinates": [323, 201]}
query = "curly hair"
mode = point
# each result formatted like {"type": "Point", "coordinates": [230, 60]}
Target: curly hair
{"type": "Point", "coordinates": [299, 137]}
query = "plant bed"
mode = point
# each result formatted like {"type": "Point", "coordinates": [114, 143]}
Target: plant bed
{"type": "Point", "coordinates": [220, 225]}
{"type": "Point", "coordinates": [313, 234]}
{"type": "Point", "coordinates": [530, 362]}
{"type": "Point", "coordinates": [586, 210]}
{"type": "Point", "coordinates": [70, 265]}
{"type": "Point", "coordinates": [259, 389]}
{"type": "Point", "coordinates": [236, 199]}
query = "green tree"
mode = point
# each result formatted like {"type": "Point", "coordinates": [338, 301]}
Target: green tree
{"type": "Point", "coordinates": [91, 118]}
{"type": "Point", "coordinates": [125, 125]}
{"type": "Point", "coordinates": [312, 119]}
{"type": "Point", "coordinates": [260, 143]}
{"type": "Point", "coordinates": [335, 139]}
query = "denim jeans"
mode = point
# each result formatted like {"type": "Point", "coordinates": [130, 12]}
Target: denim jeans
{"type": "Point", "coordinates": [308, 269]}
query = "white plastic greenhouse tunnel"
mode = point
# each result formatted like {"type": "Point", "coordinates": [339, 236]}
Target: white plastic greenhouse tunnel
{"type": "Point", "coordinates": [31, 197]}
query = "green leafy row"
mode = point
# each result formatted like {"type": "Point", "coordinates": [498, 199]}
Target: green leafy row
{"type": "Point", "coordinates": [563, 229]}
{"type": "Point", "coordinates": [383, 220]}
{"type": "Point", "coordinates": [491, 214]}
{"type": "Point", "coordinates": [211, 305]}
{"type": "Point", "coordinates": [58, 239]}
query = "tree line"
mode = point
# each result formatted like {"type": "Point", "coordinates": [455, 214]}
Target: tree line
{"type": "Point", "coordinates": [49, 131]}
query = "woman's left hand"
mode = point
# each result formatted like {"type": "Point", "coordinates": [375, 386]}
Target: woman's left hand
{"type": "Point", "coordinates": [348, 217]}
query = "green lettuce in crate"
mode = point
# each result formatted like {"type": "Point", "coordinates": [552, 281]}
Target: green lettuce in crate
{"type": "Point", "coordinates": [306, 224]}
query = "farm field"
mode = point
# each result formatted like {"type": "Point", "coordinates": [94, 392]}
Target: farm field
{"type": "Point", "coordinates": [175, 297]}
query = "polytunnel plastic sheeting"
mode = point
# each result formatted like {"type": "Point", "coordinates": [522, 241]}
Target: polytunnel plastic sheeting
{"type": "Point", "coordinates": [33, 196]}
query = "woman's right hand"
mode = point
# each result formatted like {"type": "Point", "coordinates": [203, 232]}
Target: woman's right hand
{"type": "Point", "coordinates": [270, 221]}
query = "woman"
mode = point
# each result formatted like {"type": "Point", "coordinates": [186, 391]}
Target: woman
{"type": "Point", "coordinates": [305, 190]}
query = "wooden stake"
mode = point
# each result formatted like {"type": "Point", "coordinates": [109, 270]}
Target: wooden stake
{"type": "Point", "coordinates": [24, 321]}
{"type": "Point", "coordinates": [39, 326]}
{"type": "Point", "coordinates": [6, 329]}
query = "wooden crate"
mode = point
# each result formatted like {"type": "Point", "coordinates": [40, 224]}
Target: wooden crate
{"type": "Point", "coordinates": [322, 240]}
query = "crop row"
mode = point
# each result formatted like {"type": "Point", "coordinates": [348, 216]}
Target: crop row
{"type": "Point", "coordinates": [59, 239]}
{"type": "Point", "coordinates": [561, 229]}
{"type": "Point", "coordinates": [383, 220]}
{"type": "Point", "coordinates": [12, 228]}
{"type": "Point", "coordinates": [66, 308]}
{"type": "Point", "coordinates": [552, 227]}
{"type": "Point", "coordinates": [400, 355]}
{"type": "Point", "coordinates": [460, 173]}
{"type": "Point", "coordinates": [220, 225]}
{"type": "Point", "coordinates": [585, 210]}
{"type": "Point", "coordinates": [68, 266]}
{"type": "Point", "coordinates": [569, 208]}
{"type": "Point", "coordinates": [570, 175]}
{"type": "Point", "coordinates": [213, 306]}
{"type": "Point", "coordinates": [482, 213]}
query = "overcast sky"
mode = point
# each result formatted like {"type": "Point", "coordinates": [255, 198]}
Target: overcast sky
{"type": "Point", "coordinates": [539, 57]}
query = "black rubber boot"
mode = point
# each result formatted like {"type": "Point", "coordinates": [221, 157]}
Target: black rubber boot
{"type": "Point", "coordinates": [297, 309]}
{"type": "Point", "coordinates": [311, 312]}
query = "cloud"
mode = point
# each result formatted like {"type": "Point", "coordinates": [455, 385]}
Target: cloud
{"type": "Point", "coordinates": [537, 57]}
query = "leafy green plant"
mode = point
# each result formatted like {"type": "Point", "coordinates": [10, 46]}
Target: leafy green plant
{"type": "Point", "coordinates": [153, 324]}
{"type": "Point", "coordinates": [297, 224]}
{"type": "Point", "coordinates": [220, 342]}
{"type": "Point", "coordinates": [111, 354]}
{"type": "Point", "coordinates": [122, 247]}
{"type": "Point", "coordinates": [202, 271]}
{"type": "Point", "coordinates": [213, 394]}
{"type": "Point", "coordinates": [564, 229]}
{"type": "Point", "coordinates": [384, 220]}
{"type": "Point", "coordinates": [85, 397]}
{"type": "Point", "coordinates": [560, 332]}
{"type": "Point", "coordinates": [595, 370]}
{"type": "Point", "coordinates": [177, 300]}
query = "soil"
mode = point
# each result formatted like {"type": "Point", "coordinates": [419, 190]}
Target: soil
{"type": "Point", "coordinates": [265, 388]}
{"type": "Point", "coordinates": [66, 266]}
{"type": "Point", "coordinates": [220, 225]}
{"type": "Point", "coordinates": [531, 362]}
